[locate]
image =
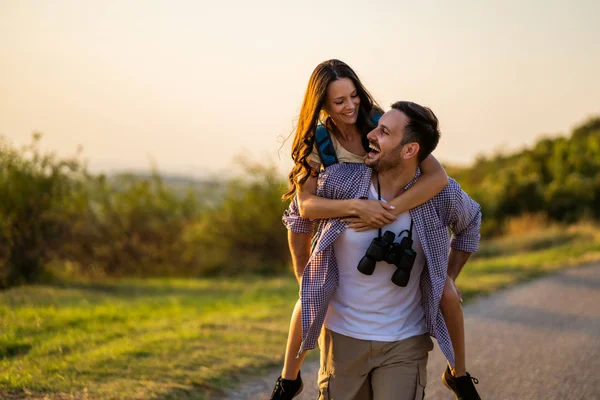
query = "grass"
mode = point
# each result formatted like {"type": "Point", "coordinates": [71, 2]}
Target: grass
{"type": "Point", "coordinates": [140, 339]}
{"type": "Point", "coordinates": [189, 339]}
{"type": "Point", "coordinates": [519, 257]}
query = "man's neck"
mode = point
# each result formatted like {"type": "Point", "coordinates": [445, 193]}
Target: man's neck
{"type": "Point", "coordinates": [393, 181]}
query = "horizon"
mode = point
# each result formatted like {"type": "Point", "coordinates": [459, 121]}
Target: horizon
{"type": "Point", "coordinates": [229, 172]}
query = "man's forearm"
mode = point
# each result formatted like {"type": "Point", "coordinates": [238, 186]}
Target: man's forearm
{"type": "Point", "coordinates": [456, 262]}
{"type": "Point", "coordinates": [299, 245]}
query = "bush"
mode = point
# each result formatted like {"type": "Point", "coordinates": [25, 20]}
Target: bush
{"type": "Point", "coordinates": [132, 226]}
{"type": "Point", "coordinates": [557, 177]}
{"type": "Point", "coordinates": [40, 195]}
{"type": "Point", "coordinates": [54, 210]}
{"type": "Point", "coordinates": [243, 233]}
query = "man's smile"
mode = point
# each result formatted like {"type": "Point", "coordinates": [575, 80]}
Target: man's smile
{"type": "Point", "coordinates": [374, 149]}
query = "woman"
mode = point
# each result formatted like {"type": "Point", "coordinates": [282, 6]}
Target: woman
{"type": "Point", "coordinates": [336, 97]}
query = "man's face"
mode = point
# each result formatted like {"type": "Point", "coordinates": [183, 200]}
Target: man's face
{"type": "Point", "coordinates": [385, 140]}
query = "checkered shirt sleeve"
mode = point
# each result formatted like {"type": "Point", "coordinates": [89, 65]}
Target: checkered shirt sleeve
{"type": "Point", "coordinates": [463, 216]}
{"type": "Point", "coordinates": [294, 222]}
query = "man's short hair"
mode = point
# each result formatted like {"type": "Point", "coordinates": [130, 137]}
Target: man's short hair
{"type": "Point", "coordinates": [422, 127]}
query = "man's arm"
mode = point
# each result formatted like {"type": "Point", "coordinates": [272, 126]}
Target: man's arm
{"type": "Point", "coordinates": [456, 262]}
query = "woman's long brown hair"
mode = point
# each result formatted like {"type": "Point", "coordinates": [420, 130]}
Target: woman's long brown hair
{"type": "Point", "coordinates": [310, 116]}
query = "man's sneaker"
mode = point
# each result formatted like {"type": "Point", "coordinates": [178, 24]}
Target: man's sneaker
{"type": "Point", "coordinates": [286, 389]}
{"type": "Point", "coordinates": [462, 386]}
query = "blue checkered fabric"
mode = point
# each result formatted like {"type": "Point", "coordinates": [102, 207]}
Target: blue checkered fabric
{"type": "Point", "coordinates": [451, 208]}
{"type": "Point", "coordinates": [294, 222]}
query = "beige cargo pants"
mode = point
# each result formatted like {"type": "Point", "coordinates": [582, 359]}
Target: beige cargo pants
{"type": "Point", "coordinates": [354, 369]}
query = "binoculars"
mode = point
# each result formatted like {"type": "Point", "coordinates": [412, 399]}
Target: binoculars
{"type": "Point", "coordinates": [385, 249]}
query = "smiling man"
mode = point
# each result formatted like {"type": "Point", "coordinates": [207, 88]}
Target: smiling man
{"type": "Point", "coordinates": [378, 293]}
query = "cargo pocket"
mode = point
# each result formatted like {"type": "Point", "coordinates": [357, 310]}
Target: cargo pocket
{"type": "Point", "coordinates": [324, 387]}
{"type": "Point", "coordinates": [421, 382]}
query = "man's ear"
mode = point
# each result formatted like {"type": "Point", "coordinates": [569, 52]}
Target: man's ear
{"type": "Point", "coordinates": [411, 150]}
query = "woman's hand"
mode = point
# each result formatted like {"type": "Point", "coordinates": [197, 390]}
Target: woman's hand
{"type": "Point", "coordinates": [370, 214]}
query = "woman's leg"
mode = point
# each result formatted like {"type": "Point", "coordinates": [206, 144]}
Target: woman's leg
{"type": "Point", "coordinates": [289, 384]}
{"type": "Point", "coordinates": [291, 364]}
{"type": "Point", "coordinates": [453, 315]}
{"type": "Point", "coordinates": [300, 248]}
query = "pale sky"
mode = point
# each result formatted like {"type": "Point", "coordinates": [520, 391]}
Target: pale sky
{"type": "Point", "coordinates": [191, 84]}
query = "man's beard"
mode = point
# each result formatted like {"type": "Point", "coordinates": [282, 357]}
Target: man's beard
{"type": "Point", "coordinates": [389, 161]}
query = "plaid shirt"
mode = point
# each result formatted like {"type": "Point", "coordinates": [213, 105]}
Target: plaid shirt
{"type": "Point", "coordinates": [451, 208]}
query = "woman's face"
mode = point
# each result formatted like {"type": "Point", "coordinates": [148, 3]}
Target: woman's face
{"type": "Point", "coordinates": [342, 101]}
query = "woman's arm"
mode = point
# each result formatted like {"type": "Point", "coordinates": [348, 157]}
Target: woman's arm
{"type": "Point", "coordinates": [432, 181]}
{"type": "Point", "coordinates": [312, 206]}
{"type": "Point", "coordinates": [429, 184]}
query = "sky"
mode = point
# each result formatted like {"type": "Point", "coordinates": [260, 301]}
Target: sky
{"type": "Point", "coordinates": [191, 85]}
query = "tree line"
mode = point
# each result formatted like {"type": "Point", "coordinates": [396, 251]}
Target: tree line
{"type": "Point", "coordinates": [558, 178]}
{"type": "Point", "coordinates": [53, 210]}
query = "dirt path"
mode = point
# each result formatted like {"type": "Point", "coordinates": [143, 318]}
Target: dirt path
{"type": "Point", "coordinates": [539, 340]}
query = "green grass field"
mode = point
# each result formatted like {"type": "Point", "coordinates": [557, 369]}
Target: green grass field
{"type": "Point", "coordinates": [189, 339]}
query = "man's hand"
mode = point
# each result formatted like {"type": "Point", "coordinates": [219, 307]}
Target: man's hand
{"type": "Point", "coordinates": [370, 214]}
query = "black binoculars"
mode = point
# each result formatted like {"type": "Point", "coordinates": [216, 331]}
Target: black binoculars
{"type": "Point", "coordinates": [385, 249]}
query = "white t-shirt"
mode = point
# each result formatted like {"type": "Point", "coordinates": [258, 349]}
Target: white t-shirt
{"type": "Point", "coordinates": [372, 307]}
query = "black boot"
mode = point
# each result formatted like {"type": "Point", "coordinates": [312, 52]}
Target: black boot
{"type": "Point", "coordinates": [286, 389]}
{"type": "Point", "coordinates": [462, 386]}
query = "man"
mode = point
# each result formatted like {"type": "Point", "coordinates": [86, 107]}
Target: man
{"type": "Point", "coordinates": [376, 338]}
